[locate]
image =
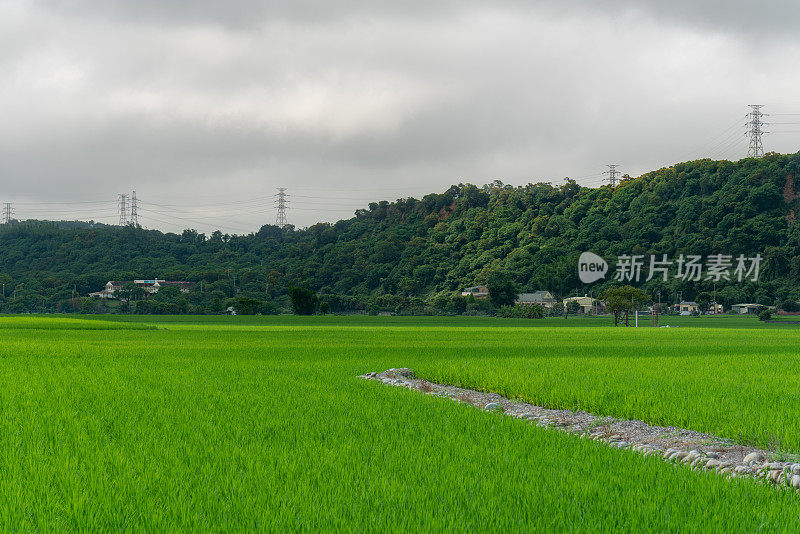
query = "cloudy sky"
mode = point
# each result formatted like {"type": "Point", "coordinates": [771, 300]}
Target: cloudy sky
{"type": "Point", "coordinates": [206, 107]}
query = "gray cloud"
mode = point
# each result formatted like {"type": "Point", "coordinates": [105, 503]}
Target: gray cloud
{"type": "Point", "coordinates": [206, 107]}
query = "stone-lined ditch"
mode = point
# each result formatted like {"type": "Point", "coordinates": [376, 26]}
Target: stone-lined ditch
{"type": "Point", "coordinates": [694, 449]}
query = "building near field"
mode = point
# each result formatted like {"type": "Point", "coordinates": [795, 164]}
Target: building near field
{"type": "Point", "coordinates": [479, 292]}
{"type": "Point", "coordinates": [687, 307]}
{"type": "Point", "coordinates": [108, 292]}
{"type": "Point", "coordinates": [542, 298]}
{"type": "Point", "coordinates": [150, 287]}
{"type": "Point", "coordinates": [588, 305]}
{"type": "Point", "coordinates": [745, 308]}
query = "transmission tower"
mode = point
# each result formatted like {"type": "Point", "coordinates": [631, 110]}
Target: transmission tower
{"type": "Point", "coordinates": [612, 173]}
{"type": "Point", "coordinates": [281, 204]}
{"type": "Point", "coordinates": [134, 213]}
{"type": "Point", "coordinates": [123, 209]}
{"type": "Point", "coordinates": [756, 149]}
{"type": "Point", "coordinates": [8, 213]}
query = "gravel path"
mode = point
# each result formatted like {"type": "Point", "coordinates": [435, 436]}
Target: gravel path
{"type": "Point", "coordinates": [695, 449]}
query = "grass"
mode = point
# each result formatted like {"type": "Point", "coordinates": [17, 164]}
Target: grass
{"type": "Point", "coordinates": [260, 424]}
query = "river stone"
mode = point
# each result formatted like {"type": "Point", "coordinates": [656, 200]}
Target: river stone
{"type": "Point", "coordinates": [796, 469]}
{"type": "Point", "coordinates": [754, 458]}
{"type": "Point", "coordinates": [775, 475]}
{"type": "Point", "coordinates": [796, 481]}
{"type": "Point", "coordinates": [404, 372]}
{"type": "Point", "coordinates": [741, 469]}
{"type": "Point", "coordinates": [713, 455]}
{"type": "Point", "coordinates": [492, 406]}
{"type": "Point", "coordinates": [680, 456]}
{"type": "Point", "coordinates": [725, 471]}
{"type": "Point", "coordinates": [712, 463]}
{"type": "Point", "coordinates": [668, 452]}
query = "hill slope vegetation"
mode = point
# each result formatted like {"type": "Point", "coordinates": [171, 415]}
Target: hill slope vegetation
{"type": "Point", "coordinates": [414, 255]}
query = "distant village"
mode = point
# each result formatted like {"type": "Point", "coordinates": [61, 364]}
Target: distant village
{"type": "Point", "coordinates": [591, 306]}
{"type": "Point", "coordinates": [114, 289]}
{"type": "Point", "coordinates": [585, 305]}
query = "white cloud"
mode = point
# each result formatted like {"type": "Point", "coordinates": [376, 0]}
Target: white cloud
{"type": "Point", "coordinates": [365, 100]}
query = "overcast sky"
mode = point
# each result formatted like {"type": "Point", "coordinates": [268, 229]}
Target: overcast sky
{"type": "Point", "coordinates": [206, 107]}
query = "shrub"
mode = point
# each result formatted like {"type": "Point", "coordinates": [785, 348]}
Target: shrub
{"type": "Point", "coordinates": [522, 311]}
{"type": "Point", "coordinates": [304, 300]}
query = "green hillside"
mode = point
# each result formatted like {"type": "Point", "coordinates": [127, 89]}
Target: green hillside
{"type": "Point", "coordinates": [413, 255]}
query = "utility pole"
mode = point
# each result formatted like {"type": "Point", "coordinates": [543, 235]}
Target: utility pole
{"type": "Point", "coordinates": [281, 204]}
{"type": "Point", "coordinates": [659, 307]}
{"type": "Point", "coordinates": [612, 173]}
{"type": "Point", "coordinates": [8, 213]}
{"type": "Point", "coordinates": [134, 212]}
{"type": "Point", "coordinates": [756, 149]}
{"type": "Point", "coordinates": [123, 209]}
{"type": "Point", "coordinates": [715, 299]}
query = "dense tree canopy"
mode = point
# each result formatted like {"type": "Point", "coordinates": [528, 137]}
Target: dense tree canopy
{"type": "Point", "coordinates": [413, 255]}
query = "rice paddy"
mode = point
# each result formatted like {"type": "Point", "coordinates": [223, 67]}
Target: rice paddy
{"type": "Point", "coordinates": [230, 424]}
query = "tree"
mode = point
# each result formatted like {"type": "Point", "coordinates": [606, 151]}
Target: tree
{"type": "Point", "coordinates": [126, 291]}
{"type": "Point", "coordinates": [623, 299]}
{"type": "Point", "coordinates": [246, 305]}
{"type": "Point", "coordinates": [88, 306]}
{"type": "Point", "coordinates": [168, 293]}
{"type": "Point", "coordinates": [502, 289]}
{"type": "Point", "coordinates": [304, 299]}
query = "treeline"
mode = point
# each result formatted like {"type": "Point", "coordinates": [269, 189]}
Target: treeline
{"type": "Point", "coordinates": [414, 255]}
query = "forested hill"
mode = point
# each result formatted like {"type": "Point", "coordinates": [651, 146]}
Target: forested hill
{"type": "Point", "coordinates": [427, 249]}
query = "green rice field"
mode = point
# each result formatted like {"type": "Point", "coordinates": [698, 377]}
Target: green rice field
{"type": "Point", "coordinates": [260, 424]}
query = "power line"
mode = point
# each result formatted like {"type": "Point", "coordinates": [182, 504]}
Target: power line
{"type": "Point", "coordinates": [197, 221]}
{"type": "Point", "coordinates": [756, 149]}
{"type": "Point", "coordinates": [62, 203]}
{"type": "Point", "coordinates": [281, 203]}
{"type": "Point", "coordinates": [722, 138]}
{"type": "Point", "coordinates": [736, 141]}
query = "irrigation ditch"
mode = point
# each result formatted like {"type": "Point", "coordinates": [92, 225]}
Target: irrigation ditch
{"type": "Point", "coordinates": [695, 450]}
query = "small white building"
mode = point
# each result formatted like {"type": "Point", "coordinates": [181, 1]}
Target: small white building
{"type": "Point", "coordinates": [478, 292]}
